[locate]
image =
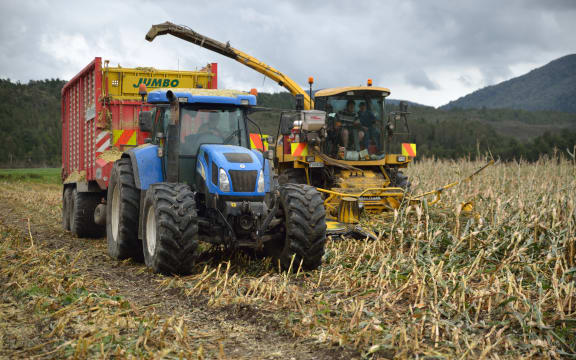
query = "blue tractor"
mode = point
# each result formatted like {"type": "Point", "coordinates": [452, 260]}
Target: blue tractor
{"type": "Point", "coordinates": [196, 179]}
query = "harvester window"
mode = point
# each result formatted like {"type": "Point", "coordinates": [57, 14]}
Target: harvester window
{"type": "Point", "coordinates": [355, 124]}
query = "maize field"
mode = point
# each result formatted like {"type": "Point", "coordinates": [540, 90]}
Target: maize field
{"type": "Point", "coordinates": [440, 283]}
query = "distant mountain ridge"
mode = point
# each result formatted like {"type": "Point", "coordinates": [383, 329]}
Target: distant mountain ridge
{"type": "Point", "coordinates": [410, 103]}
{"type": "Point", "coordinates": [550, 87]}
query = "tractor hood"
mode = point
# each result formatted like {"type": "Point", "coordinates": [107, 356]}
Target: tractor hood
{"type": "Point", "coordinates": [243, 168]}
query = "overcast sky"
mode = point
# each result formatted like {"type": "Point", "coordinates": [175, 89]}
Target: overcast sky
{"type": "Point", "coordinates": [430, 52]}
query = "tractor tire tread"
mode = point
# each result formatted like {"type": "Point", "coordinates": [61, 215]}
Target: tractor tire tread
{"type": "Point", "coordinates": [292, 176]}
{"type": "Point", "coordinates": [305, 226]}
{"type": "Point", "coordinates": [177, 228]}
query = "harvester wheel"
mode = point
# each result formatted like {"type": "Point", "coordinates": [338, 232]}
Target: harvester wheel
{"type": "Point", "coordinates": [302, 232]}
{"type": "Point", "coordinates": [402, 181]}
{"type": "Point", "coordinates": [122, 210]}
{"type": "Point", "coordinates": [170, 228]}
{"type": "Point", "coordinates": [292, 176]}
{"type": "Point", "coordinates": [81, 207]}
{"type": "Point", "coordinates": [66, 200]}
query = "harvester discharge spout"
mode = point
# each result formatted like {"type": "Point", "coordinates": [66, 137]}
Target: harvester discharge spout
{"type": "Point", "coordinates": [193, 37]}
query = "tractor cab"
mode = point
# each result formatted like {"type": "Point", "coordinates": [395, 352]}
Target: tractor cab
{"type": "Point", "coordinates": [356, 120]}
{"type": "Point", "coordinates": [188, 124]}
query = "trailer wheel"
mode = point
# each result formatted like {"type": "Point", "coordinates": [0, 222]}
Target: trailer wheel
{"type": "Point", "coordinates": [301, 233]}
{"type": "Point", "coordinates": [66, 200]}
{"type": "Point", "coordinates": [292, 176]}
{"type": "Point", "coordinates": [170, 229]}
{"type": "Point", "coordinates": [122, 211]}
{"type": "Point", "coordinates": [82, 206]}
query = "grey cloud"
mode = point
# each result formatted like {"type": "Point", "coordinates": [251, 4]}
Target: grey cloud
{"type": "Point", "coordinates": [419, 78]}
{"type": "Point", "coordinates": [397, 43]}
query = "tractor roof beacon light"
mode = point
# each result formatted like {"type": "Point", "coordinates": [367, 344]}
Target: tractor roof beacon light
{"type": "Point", "coordinates": [369, 82]}
{"type": "Point", "coordinates": [254, 92]}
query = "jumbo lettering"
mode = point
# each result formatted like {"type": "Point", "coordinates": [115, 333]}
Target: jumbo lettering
{"type": "Point", "coordinates": [155, 83]}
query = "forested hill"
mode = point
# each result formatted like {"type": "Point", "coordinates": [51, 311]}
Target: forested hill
{"type": "Point", "coordinates": [550, 87]}
{"type": "Point", "coordinates": [30, 123]}
{"type": "Point", "coordinates": [31, 133]}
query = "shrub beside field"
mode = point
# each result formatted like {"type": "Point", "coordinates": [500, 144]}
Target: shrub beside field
{"type": "Point", "coordinates": [497, 282]}
{"type": "Point", "coordinates": [36, 175]}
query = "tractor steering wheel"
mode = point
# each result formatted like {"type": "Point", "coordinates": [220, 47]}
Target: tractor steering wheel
{"type": "Point", "coordinates": [231, 136]}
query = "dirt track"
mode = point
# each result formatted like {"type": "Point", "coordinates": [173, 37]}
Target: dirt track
{"type": "Point", "coordinates": [232, 330]}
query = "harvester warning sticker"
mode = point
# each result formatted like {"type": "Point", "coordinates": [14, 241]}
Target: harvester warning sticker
{"type": "Point", "coordinates": [409, 149]}
{"type": "Point", "coordinates": [299, 149]}
{"type": "Point", "coordinates": [124, 137]}
{"type": "Point", "coordinates": [257, 143]}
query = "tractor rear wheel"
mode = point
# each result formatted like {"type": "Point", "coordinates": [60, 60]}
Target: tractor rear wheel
{"type": "Point", "coordinates": [66, 200]}
{"type": "Point", "coordinates": [170, 229]}
{"type": "Point", "coordinates": [300, 235]}
{"type": "Point", "coordinates": [81, 206]}
{"type": "Point", "coordinates": [122, 212]}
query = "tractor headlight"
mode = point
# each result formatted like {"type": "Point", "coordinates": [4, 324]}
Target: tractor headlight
{"type": "Point", "coordinates": [201, 170]}
{"type": "Point", "coordinates": [223, 181]}
{"type": "Point", "coordinates": [261, 184]}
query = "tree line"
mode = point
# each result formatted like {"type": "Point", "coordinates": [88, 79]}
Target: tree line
{"type": "Point", "coordinates": [31, 130]}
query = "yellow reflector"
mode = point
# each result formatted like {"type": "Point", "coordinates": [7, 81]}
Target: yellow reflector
{"type": "Point", "coordinates": [299, 149]}
{"type": "Point", "coordinates": [409, 149]}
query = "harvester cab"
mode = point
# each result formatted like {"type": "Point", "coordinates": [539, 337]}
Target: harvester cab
{"type": "Point", "coordinates": [197, 179]}
{"type": "Point", "coordinates": [347, 153]}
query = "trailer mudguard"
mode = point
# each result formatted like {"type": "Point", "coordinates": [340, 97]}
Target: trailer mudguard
{"type": "Point", "coordinates": [146, 164]}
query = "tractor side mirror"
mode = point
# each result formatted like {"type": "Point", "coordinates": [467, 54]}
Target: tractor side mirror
{"type": "Point", "coordinates": [145, 121]}
{"type": "Point", "coordinates": [286, 124]}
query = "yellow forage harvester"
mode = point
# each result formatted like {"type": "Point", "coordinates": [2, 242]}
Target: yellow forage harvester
{"type": "Point", "coordinates": [340, 140]}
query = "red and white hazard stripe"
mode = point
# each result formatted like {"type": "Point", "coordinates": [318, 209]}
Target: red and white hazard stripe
{"type": "Point", "coordinates": [102, 142]}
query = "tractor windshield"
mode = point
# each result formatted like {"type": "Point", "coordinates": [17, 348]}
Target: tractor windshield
{"type": "Point", "coordinates": [355, 122]}
{"type": "Point", "coordinates": [211, 125]}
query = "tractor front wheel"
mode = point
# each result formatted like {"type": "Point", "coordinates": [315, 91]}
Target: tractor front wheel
{"type": "Point", "coordinates": [299, 235]}
{"type": "Point", "coordinates": [170, 229]}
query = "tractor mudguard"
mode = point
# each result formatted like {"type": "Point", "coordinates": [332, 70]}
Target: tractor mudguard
{"type": "Point", "coordinates": [146, 164]}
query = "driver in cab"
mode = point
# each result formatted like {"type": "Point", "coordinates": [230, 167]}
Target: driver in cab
{"type": "Point", "coordinates": [348, 120]}
{"type": "Point", "coordinates": [206, 133]}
